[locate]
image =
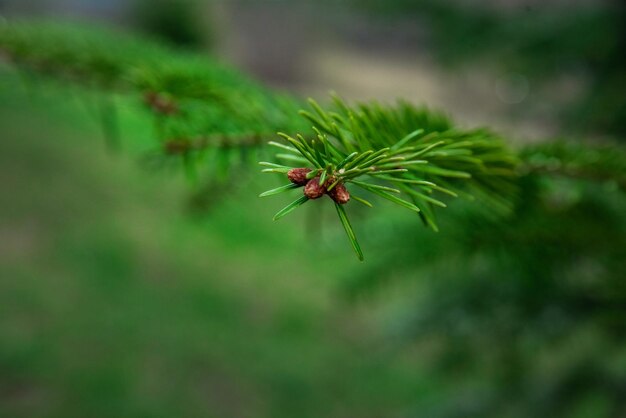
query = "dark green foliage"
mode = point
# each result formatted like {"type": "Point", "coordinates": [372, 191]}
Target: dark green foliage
{"type": "Point", "coordinates": [530, 304]}
{"type": "Point", "coordinates": [534, 302]}
{"type": "Point", "coordinates": [601, 163]}
{"type": "Point", "coordinates": [177, 21]}
{"type": "Point", "coordinates": [541, 39]}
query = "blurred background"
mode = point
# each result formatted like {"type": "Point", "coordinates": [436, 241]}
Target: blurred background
{"type": "Point", "coordinates": [125, 293]}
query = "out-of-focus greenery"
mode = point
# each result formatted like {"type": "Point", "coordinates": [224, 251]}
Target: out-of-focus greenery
{"type": "Point", "coordinates": [191, 95]}
{"type": "Point", "coordinates": [181, 22]}
{"type": "Point", "coordinates": [545, 42]}
{"type": "Point", "coordinates": [114, 302]}
{"type": "Point", "coordinates": [525, 315]}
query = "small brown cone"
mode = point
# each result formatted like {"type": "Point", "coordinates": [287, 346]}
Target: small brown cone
{"type": "Point", "coordinates": [340, 194]}
{"type": "Point", "coordinates": [298, 176]}
{"type": "Point", "coordinates": [313, 190]}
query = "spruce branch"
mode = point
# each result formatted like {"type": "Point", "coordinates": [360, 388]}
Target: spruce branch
{"type": "Point", "coordinates": [411, 157]}
{"type": "Point", "coordinates": [197, 102]}
{"type": "Point", "coordinates": [605, 162]}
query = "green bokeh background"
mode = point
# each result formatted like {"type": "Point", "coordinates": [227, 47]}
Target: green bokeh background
{"type": "Point", "coordinates": [126, 292]}
{"type": "Point", "coordinates": [115, 302]}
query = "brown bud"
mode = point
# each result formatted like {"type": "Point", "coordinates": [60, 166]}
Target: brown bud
{"type": "Point", "coordinates": [330, 180]}
{"type": "Point", "coordinates": [339, 194]}
{"type": "Point", "coordinates": [313, 190]}
{"type": "Point", "coordinates": [176, 146]}
{"type": "Point", "coordinates": [149, 97]}
{"type": "Point", "coordinates": [298, 176]}
{"type": "Point", "coordinates": [161, 103]}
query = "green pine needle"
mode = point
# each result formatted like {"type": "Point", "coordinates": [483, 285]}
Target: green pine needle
{"type": "Point", "coordinates": [361, 200]}
{"type": "Point", "coordinates": [291, 207]}
{"type": "Point", "coordinates": [349, 231]}
{"type": "Point", "coordinates": [279, 190]}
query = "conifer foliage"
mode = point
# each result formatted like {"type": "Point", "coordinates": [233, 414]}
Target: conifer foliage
{"type": "Point", "coordinates": [391, 152]}
{"type": "Point", "coordinates": [412, 157]}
